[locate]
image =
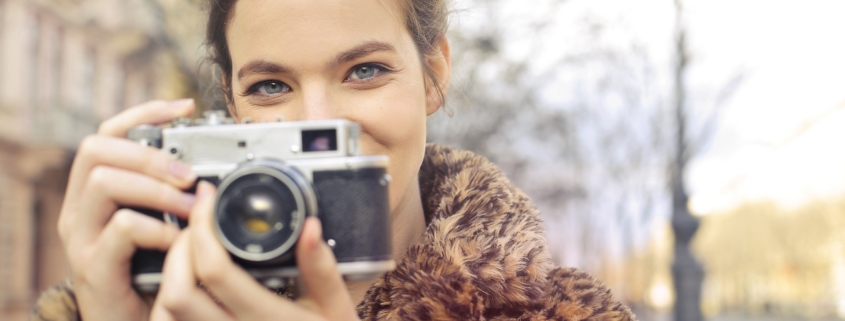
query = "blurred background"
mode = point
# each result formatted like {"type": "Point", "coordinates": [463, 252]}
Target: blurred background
{"type": "Point", "coordinates": [685, 152]}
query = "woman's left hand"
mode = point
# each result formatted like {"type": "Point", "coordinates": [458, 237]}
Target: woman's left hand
{"type": "Point", "coordinates": [230, 293]}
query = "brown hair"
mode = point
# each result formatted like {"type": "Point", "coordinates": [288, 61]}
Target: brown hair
{"type": "Point", "coordinates": [426, 20]}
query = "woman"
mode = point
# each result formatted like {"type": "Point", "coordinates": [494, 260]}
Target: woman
{"type": "Point", "coordinates": [468, 245]}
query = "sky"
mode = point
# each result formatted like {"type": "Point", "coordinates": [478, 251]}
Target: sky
{"type": "Point", "coordinates": [791, 56]}
{"type": "Point", "coordinates": [779, 136]}
{"type": "Point", "coordinates": [776, 138]}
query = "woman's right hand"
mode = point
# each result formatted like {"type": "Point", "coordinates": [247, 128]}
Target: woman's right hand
{"type": "Point", "coordinates": [98, 233]}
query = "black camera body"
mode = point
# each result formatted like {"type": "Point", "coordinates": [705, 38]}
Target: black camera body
{"type": "Point", "coordinates": [270, 177]}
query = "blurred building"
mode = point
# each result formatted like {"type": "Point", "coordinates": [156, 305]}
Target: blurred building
{"type": "Point", "coordinates": [65, 65]}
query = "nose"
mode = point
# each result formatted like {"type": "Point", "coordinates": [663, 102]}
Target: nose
{"type": "Point", "coordinates": [317, 103]}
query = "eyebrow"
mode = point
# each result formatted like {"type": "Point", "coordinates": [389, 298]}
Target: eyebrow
{"type": "Point", "coordinates": [363, 50]}
{"type": "Point", "coordinates": [262, 67]}
{"type": "Point", "coordinates": [267, 67]}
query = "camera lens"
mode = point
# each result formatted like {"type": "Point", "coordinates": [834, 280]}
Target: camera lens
{"type": "Point", "coordinates": [260, 210]}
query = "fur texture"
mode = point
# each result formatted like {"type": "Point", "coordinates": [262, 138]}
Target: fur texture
{"type": "Point", "coordinates": [57, 304]}
{"type": "Point", "coordinates": [483, 257]}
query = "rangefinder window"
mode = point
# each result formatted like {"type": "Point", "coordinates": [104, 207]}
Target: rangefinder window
{"type": "Point", "coordinates": [319, 140]}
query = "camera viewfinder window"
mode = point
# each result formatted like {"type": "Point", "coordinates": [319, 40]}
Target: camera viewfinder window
{"type": "Point", "coordinates": [319, 140]}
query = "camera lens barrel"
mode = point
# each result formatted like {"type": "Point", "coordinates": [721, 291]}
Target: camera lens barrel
{"type": "Point", "coordinates": [260, 209]}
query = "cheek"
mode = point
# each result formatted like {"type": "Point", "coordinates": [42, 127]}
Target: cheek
{"type": "Point", "coordinates": [397, 123]}
{"type": "Point", "coordinates": [395, 126]}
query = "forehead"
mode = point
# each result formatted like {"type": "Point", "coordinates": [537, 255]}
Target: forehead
{"type": "Point", "coordinates": [280, 28]}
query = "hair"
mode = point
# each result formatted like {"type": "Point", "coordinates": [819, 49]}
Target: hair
{"type": "Point", "coordinates": [426, 21]}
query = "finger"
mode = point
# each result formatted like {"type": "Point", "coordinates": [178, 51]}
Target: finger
{"type": "Point", "coordinates": [154, 112]}
{"type": "Point", "coordinates": [98, 267]}
{"type": "Point", "coordinates": [308, 304]}
{"type": "Point", "coordinates": [109, 187]}
{"type": "Point", "coordinates": [120, 153]}
{"type": "Point", "coordinates": [322, 281]}
{"type": "Point", "coordinates": [102, 269]}
{"type": "Point", "coordinates": [178, 294]}
{"type": "Point", "coordinates": [159, 313]}
{"type": "Point", "coordinates": [128, 230]}
{"type": "Point", "coordinates": [229, 283]}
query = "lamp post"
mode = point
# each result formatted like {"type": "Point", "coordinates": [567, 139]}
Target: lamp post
{"type": "Point", "coordinates": [687, 272]}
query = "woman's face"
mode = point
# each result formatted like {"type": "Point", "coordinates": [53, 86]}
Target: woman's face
{"type": "Point", "coordinates": [324, 59]}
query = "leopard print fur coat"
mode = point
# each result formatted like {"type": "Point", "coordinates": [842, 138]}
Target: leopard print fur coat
{"type": "Point", "coordinates": [483, 257]}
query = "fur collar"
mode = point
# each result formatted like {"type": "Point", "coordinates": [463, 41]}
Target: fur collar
{"type": "Point", "coordinates": [483, 256]}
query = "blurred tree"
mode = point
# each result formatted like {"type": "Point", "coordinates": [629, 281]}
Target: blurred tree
{"type": "Point", "coordinates": [573, 120]}
{"type": "Point", "coordinates": [594, 122]}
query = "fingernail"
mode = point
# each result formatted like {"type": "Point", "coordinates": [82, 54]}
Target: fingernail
{"type": "Point", "coordinates": [203, 190]}
{"type": "Point", "coordinates": [319, 229]}
{"type": "Point", "coordinates": [181, 103]}
{"type": "Point", "coordinates": [182, 171]}
{"type": "Point", "coordinates": [188, 200]}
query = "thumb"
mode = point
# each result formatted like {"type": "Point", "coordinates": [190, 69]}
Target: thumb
{"type": "Point", "coordinates": [318, 267]}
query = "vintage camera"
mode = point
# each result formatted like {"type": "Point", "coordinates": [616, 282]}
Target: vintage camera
{"type": "Point", "coordinates": [270, 177]}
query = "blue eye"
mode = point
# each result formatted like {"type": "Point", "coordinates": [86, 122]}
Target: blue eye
{"type": "Point", "coordinates": [365, 72]}
{"type": "Point", "coordinates": [270, 87]}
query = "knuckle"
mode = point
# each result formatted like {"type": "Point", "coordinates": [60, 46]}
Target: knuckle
{"type": "Point", "coordinates": [123, 222]}
{"type": "Point", "coordinates": [89, 145]}
{"type": "Point", "coordinates": [105, 127]}
{"type": "Point", "coordinates": [99, 176]}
